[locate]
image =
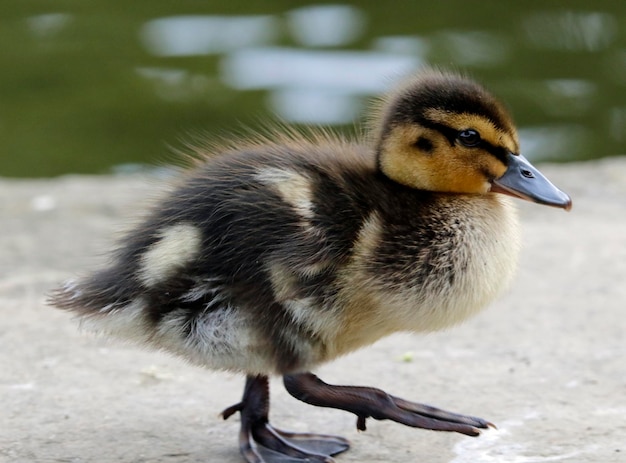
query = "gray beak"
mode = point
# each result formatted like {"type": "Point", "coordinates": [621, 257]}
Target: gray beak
{"type": "Point", "coordinates": [523, 180]}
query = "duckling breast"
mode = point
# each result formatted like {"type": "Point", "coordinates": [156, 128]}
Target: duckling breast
{"type": "Point", "coordinates": [435, 267]}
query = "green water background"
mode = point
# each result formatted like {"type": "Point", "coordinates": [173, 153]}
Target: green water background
{"type": "Point", "coordinates": [89, 86]}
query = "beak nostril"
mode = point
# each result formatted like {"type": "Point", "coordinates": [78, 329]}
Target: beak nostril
{"type": "Point", "coordinates": [528, 174]}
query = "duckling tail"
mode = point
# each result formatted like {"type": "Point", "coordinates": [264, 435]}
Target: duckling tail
{"type": "Point", "coordinates": [100, 293]}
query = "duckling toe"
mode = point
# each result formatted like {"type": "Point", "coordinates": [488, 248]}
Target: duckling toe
{"type": "Point", "coordinates": [260, 442]}
{"type": "Point", "coordinates": [322, 444]}
{"type": "Point", "coordinates": [438, 414]}
{"type": "Point", "coordinates": [266, 444]}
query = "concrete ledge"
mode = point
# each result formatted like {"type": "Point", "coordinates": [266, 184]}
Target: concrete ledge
{"type": "Point", "coordinates": [546, 363]}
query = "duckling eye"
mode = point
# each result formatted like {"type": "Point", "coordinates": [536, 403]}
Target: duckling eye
{"type": "Point", "coordinates": [469, 137]}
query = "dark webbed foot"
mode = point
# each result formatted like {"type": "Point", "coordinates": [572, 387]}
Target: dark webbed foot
{"type": "Point", "coordinates": [260, 442]}
{"type": "Point", "coordinates": [367, 402]}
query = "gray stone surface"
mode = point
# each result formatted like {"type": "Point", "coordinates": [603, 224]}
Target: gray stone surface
{"type": "Point", "coordinates": [546, 362]}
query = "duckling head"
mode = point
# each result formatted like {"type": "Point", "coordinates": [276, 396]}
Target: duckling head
{"type": "Point", "coordinates": [445, 133]}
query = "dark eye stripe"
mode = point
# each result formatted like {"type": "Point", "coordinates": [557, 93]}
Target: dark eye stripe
{"type": "Point", "coordinates": [497, 151]}
{"type": "Point", "coordinates": [451, 134]}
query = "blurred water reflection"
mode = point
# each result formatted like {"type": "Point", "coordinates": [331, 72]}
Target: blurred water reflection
{"type": "Point", "coordinates": [48, 25]}
{"type": "Point", "coordinates": [204, 35]}
{"type": "Point", "coordinates": [88, 87]}
{"type": "Point", "coordinates": [326, 25]}
{"type": "Point", "coordinates": [321, 87]}
{"type": "Point", "coordinates": [571, 30]}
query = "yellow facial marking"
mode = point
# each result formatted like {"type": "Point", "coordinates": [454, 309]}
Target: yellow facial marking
{"type": "Point", "coordinates": [487, 130]}
{"type": "Point", "coordinates": [425, 158]}
{"type": "Point", "coordinates": [445, 168]}
{"type": "Point", "coordinates": [400, 159]}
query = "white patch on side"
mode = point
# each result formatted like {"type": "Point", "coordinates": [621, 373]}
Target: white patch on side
{"type": "Point", "coordinates": [176, 247]}
{"type": "Point", "coordinates": [293, 188]}
{"type": "Point", "coordinates": [222, 338]}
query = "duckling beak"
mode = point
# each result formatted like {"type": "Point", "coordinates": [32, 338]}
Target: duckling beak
{"type": "Point", "coordinates": [523, 180]}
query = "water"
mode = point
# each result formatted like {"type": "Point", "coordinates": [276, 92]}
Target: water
{"type": "Point", "coordinates": [88, 86]}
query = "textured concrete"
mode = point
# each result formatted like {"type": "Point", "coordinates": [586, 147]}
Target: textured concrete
{"type": "Point", "coordinates": [546, 363]}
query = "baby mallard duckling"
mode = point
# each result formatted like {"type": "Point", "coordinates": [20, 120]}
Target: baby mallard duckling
{"type": "Point", "coordinates": [276, 256]}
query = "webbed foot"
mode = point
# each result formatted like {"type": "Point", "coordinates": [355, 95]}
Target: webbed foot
{"type": "Point", "coordinates": [260, 442]}
{"type": "Point", "coordinates": [368, 402]}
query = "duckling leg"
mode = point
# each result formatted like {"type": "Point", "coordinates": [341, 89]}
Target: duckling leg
{"type": "Point", "coordinates": [368, 402]}
{"type": "Point", "coordinates": [260, 442]}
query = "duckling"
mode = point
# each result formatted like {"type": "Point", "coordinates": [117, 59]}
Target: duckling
{"type": "Point", "coordinates": [271, 257]}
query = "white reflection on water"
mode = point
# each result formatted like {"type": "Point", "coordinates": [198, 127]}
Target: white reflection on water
{"type": "Point", "coordinates": [304, 85]}
{"type": "Point", "coordinates": [315, 106]}
{"type": "Point", "coordinates": [349, 71]}
{"type": "Point", "coordinates": [175, 84]}
{"type": "Point", "coordinates": [553, 142]}
{"type": "Point", "coordinates": [315, 86]}
{"type": "Point", "coordinates": [571, 30]}
{"type": "Point", "coordinates": [477, 48]}
{"type": "Point", "coordinates": [401, 45]}
{"type": "Point", "coordinates": [49, 24]}
{"type": "Point", "coordinates": [568, 97]}
{"type": "Point", "coordinates": [572, 88]}
{"type": "Point", "coordinates": [203, 35]}
{"type": "Point", "coordinates": [326, 25]}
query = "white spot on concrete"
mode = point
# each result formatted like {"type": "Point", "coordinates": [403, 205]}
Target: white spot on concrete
{"type": "Point", "coordinates": [610, 411]}
{"type": "Point", "coordinates": [43, 203]}
{"type": "Point", "coordinates": [500, 446]}
{"type": "Point", "coordinates": [22, 386]}
{"type": "Point", "coordinates": [153, 374]}
{"type": "Point", "coordinates": [176, 247]}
